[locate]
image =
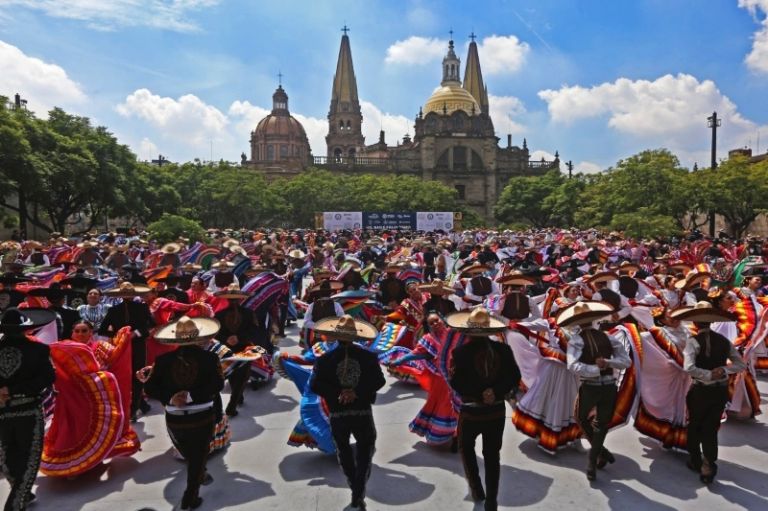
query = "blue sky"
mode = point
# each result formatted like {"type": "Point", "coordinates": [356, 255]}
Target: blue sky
{"type": "Point", "coordinates": [595, 80]}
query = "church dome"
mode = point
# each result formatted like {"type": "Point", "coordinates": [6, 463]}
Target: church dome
{"type": "Point", "coordinates": [279, 138]}
{"type": "Point", "coordinates": [449, 98]}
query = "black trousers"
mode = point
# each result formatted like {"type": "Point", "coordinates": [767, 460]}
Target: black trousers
{"type": "Point", "coordinates": [138, 361]}
{"type": "Point", "coordinates": [191, 435]}
{"type": "Point", "coordinates": [21, 441]}
{"type": "Point", "coordinates": [237, 382]}
{"type": "Point", "coordinates": [487, 421]}
{"type": "Point", "coordinates": [603, 399]}
{"type": "Point", "coordinates": [705, 408]}
{"type": "Point", "coordinates": [356, 465]}
{"type": "Point", "coordinates": [429, 273]}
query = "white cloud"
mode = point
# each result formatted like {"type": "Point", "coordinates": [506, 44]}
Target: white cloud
{"type": "Point", "coordinates": [416, 50]}
{"type": "Point", "coordinates": [498, 54]}
{"type": "Point", "coordinates": [540, 154]}
{"type": "Point", "coordinates": [374, 120]}
{"type": "Point", "coordinates": [186, 119]}
{"type": "Point", "coordinates": [587, 167]}
{"type": "Point", "coordinates": [505, 112]}
{"type": "Point", "coordinates": [42, 84]}
{"type": "Point", "coordinates": [757, 59]}
{"type": "Point", "coordinates": [147, 149]}
{"type": "Point", "coordinates": [110, 14]}
{"type": "Point", "coordinates": [670, 112]}
{"type": "Point", "coordinates": [502, 54]}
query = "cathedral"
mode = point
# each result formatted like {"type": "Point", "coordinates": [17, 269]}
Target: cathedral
{"type": "Point", "coordinates": [454, 139]}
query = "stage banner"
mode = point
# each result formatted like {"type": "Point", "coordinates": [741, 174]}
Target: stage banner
{"type": "Point", "coordinates": [337, 220]}
{"type": "Point", "coordinates": [434, 220]}
{"type": "Point", "coordinates": [380, 220]}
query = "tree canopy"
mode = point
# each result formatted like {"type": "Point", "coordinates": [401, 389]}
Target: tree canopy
{"type": "Point", "coordinates": [62, 171]}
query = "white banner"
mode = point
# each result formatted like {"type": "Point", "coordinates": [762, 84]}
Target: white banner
{"type": "Point", "coordinates": [433, 220]}
{"type": "Point", "coordinates": [337, 220]}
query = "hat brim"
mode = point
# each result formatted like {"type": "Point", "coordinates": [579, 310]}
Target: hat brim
{"type": "Point", "coordinates": [127, 293]}
{"type": "Point", "coordinates": [516, 280]}
{"type": "Point", "coordinates": [363, 330]}
{"type": "Point", "coordinates": [605, 276]}
{"type": "Point", "coordinates": [702, 315]}
{"type": "Point", "coordinates": [207, 328]}
{"type": "Point", "coordinates": [35, 318]}
{"type": "Point", "coordinates": [436, 290]}
{"type": "Point", "coordinates": [458, 321]}
{"type": "Point", "coordinates": [570, 317]}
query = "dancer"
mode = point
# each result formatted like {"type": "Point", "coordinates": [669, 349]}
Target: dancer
{"type": "Point", "coordinates": [706, 360]}
{"type": "Point", "coordinates": [187, 381]}
{"type": "Point", "coordinates": [26, 371]}
{"type": "Point", "coordinates": [348, 378]}
{"type": "Point", "coordinates": [483, 373]}
{"type": "Point", "coordinates": [593, 355]}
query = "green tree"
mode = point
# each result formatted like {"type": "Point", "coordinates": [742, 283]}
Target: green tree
{"type": "Point", "coordinates": [737, 191]}
{"type": "Point", "coordinates": [525, 199]}
{"type": "Point", "coordinates": [169, 227]}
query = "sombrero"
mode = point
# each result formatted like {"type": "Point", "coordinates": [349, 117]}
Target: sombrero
{"type": "Point", "coordinates": [436, 287]}
{"type": "Point", "coordinates": [478, 321]}
{"type": "Point", "coordinates": [171, 248]}
{"type": "Point", "coordinates": [584, 312]}
{"type": "Point", "coordinates": [190, 268]}
{"type": "Point", "coordinates": [16, 320]}
{"type": "Point", "coordinates": [230, 243]}
{"type": "Point", "coordinates": [296, 254]}
{"type": "Point", "coordinates": [691, 279]}
{"type": "Point", "coordinates": [328, 287]}
{"type": "Point", "coordinates": [187, 331]}
{"type": "Point", "coordinates": [223, 265]}
{"type": "Point", "coordinates": [603, 276]}
{"type": "Point", "coordinates": [232, 292]}
{"type": "Point", "coordinates": [702, 312]}
{"type": "Point", "coordinates": [127, 290]}
{"type": "Point", "coordinates": [516, 278]}
{"type": "Point", "coordinates": [473, 269]}
{"type": "Point", "coordinates": [346, 328]}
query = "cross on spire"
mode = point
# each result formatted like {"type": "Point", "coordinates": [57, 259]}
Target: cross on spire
{"type": "Point", "coordinates": [451, 32]}
{"type": "Point", "coordinates": [280, 78]}
{"type": "Point", "coordinates": [472, 36]}
{"type": "Point", "coordinates": [345, 29]}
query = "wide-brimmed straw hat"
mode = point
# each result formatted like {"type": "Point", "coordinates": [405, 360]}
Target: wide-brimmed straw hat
{"type": "Point", "coordinates": [296, 254]}
{"type": "Point", "coordinates": [222, 265]}
{"type": "Point", "coordinates": [16, 320]}
{"type": "Point", "coordinates": [583, 313]}
{"type": "Point", "coordinates": [188, 331]}
{"type": "Point", "coordinates": [190, 268]}
{"type": "Point", "coordinates": [516, 278]}
{"type": "Point", "coordinates": [171, 248]}
{"type": "Point", "coordinates": [232, 292]}
{"type": "Point", "coordinates": [326, 287]}
{"type": "Point", "coordinates": [691, 279]}
{"type": "Point", "coordinates": [127, 290]}
{"type": "Point", "coordinates": [603, 276]}
{"type": "Point", "coordinates": [346, 328]}
{"type": "Point", "coordinates": [702, 312]}
{"type": "Point", "coordinates": [478, 321]}
{"type": "Point", "coordinates": [473, 269]}
{"type": "Point", "coordinates": [436, 287]}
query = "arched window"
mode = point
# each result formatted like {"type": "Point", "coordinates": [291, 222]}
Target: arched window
{"type": "Point", "coordinates": [349, 125]}
{"type": "Point", "coordinates": [341, 125]}
{"type": "Point", "coordinates": [460, 158]}
{"type": "Point", "coordinates": [461, 191]}
{"type": "Point", "coordinates": [283, 151]}
{"type": "Point", "coordinates": [337, 155]}
{"type": "Point", "coordinates": [270, 152]}
{"type": "Point", "coordinates": [352, 152]}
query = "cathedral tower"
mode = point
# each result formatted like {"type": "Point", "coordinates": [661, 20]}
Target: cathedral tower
{"type": "Point", "coordinates": [345, 137]}
{"type": "Point", "coordinates": [473, 77]}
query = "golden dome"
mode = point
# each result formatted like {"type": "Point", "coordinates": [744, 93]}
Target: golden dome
{"type": "Point", "coordinates": [451, 98]}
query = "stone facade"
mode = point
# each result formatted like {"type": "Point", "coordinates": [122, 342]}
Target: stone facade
{"type": "Point", "coordinates": [454, 138]}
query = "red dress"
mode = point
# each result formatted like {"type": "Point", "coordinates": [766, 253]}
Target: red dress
{"type": "Point", "coordinates": [91, 418]}
{"type": "Point", "coordinates": [437, 420]}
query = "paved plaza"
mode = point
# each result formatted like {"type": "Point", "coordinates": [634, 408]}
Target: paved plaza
{"type": "Point", "coordinates": [261, 472]}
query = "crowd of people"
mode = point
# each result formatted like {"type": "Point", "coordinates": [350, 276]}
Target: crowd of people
{"type": "Point", "coordinates": [579, 332]}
